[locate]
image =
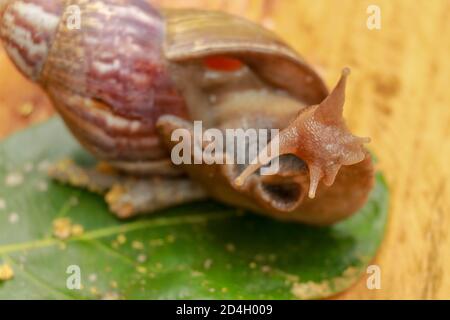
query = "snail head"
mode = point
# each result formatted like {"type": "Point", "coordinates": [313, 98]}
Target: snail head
{"type": "Point", "coordinates": [311, 148]}
{"type": "Point", "coordinates": [319, 137]}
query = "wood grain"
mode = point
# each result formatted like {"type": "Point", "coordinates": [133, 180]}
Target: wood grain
{"type": "Point", "coordinates": [398, 95]}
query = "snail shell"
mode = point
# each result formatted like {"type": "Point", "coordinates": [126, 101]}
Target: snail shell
{"type": "Point", "coordinates": [122, 84]}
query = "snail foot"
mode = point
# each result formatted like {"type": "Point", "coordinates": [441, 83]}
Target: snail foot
{"type": "Point", "coordinates": [127, 196]}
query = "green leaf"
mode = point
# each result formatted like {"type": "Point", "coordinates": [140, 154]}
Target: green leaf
{"type": "Point", "coordinates": [203, 250]}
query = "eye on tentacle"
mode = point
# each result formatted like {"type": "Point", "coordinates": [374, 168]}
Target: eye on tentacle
{"type": "Point", "coordinates": [318, 136]}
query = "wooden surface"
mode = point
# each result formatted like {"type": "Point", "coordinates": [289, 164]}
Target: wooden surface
{"type": "Point", "coordinates": [398, 95]}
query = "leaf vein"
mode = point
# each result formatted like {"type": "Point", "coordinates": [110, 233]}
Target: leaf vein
{"type": "Point", "coordinates": [124, 228]}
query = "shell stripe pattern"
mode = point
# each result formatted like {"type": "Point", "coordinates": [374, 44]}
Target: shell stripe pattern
{"type": "Point", "coordinates": [28, 28]}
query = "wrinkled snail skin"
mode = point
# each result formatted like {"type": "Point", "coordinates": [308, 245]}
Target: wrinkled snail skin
{"type": "Point", "coordinates": [132, 74]}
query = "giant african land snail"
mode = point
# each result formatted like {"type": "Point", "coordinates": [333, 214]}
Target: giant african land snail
{"type": "Point", "coordinates": [132, 74]}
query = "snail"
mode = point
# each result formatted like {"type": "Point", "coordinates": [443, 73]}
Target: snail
{"type": "Point", "coordinates": [133, 74]}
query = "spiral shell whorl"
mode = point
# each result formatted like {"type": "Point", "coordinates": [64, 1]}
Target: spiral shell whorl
{"type": "Point", "coordinates": [27, 29]}
{"type": "Point", "coordinates": [109, 80]}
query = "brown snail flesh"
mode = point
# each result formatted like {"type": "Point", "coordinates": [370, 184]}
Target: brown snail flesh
{"type": "Point", "coordinates": [133, 74]}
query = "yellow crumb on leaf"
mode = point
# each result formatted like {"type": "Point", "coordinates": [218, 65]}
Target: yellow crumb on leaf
{"type": "Point", "coordinates": [77, 230]}
{"type": "Point", "coordinates": [230, 247]}
{"type": "Point", "coordinates": [137, 245]}
{"type": "Point", "coordinates": [94, 291]}
{"type": "Point", "coordinates": [141, 269]}
{"type": "Point", "coordinates": [207, 264]}
{"type": "Point", "coordinates": [266, 269]}
{"type": "Point", "coordinates": [121, 239]}
{"type": "Point", "coordinates": [6, 272]}
{"type": "Point", "coordinates": [142, 258]}
{"type": "Point", "coordinates": [2, 204]}
{"type": "Point", "coordinates": [62, 228]}
{"type": "Point", "coordinates": [14, 179]}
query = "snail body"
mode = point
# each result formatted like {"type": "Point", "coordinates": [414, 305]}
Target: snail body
{"type": "Point", "coordinates": [133, 74]}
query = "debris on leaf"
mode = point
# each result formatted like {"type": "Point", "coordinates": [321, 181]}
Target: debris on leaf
{"type": "Point", "coordinates": [92, 277]}
{"type": "Point", "coordinates": [94, 291]}
{"type": "Point", "coordinates": [142, 258]}
{"type": "Point", "coordinates": [230, 247]}
{"type": "Point", "coordinates": [141, 269]}
{"type": "Point", "coordinates": [77, 230]}
{"type": "Point", "coordinates": [13, 218]}
{"type": "Point", "coordinates": [64, 229]}
{"type": "Point", "coordinates": [137, 245]}
{"type": "Point", "coordinates": [207, 264]}
{"type": "Point", "coordinates": [121, 239]}
{"type": "Point", "coordinates": [266, 269]}
{"type": "Point", "coordinates": [2, 204]}
{"type": "Point", "coordinates": [42, 186]}
{"type": "Point", "coordinates": [6, 272]}
{"type": "Point", "coordinates": [196, 273]}
{"type": "Point", "coordinates": [14, 179]}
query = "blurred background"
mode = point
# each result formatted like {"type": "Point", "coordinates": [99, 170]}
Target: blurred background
{"type": "Point", "coordinates": [398, 94]}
